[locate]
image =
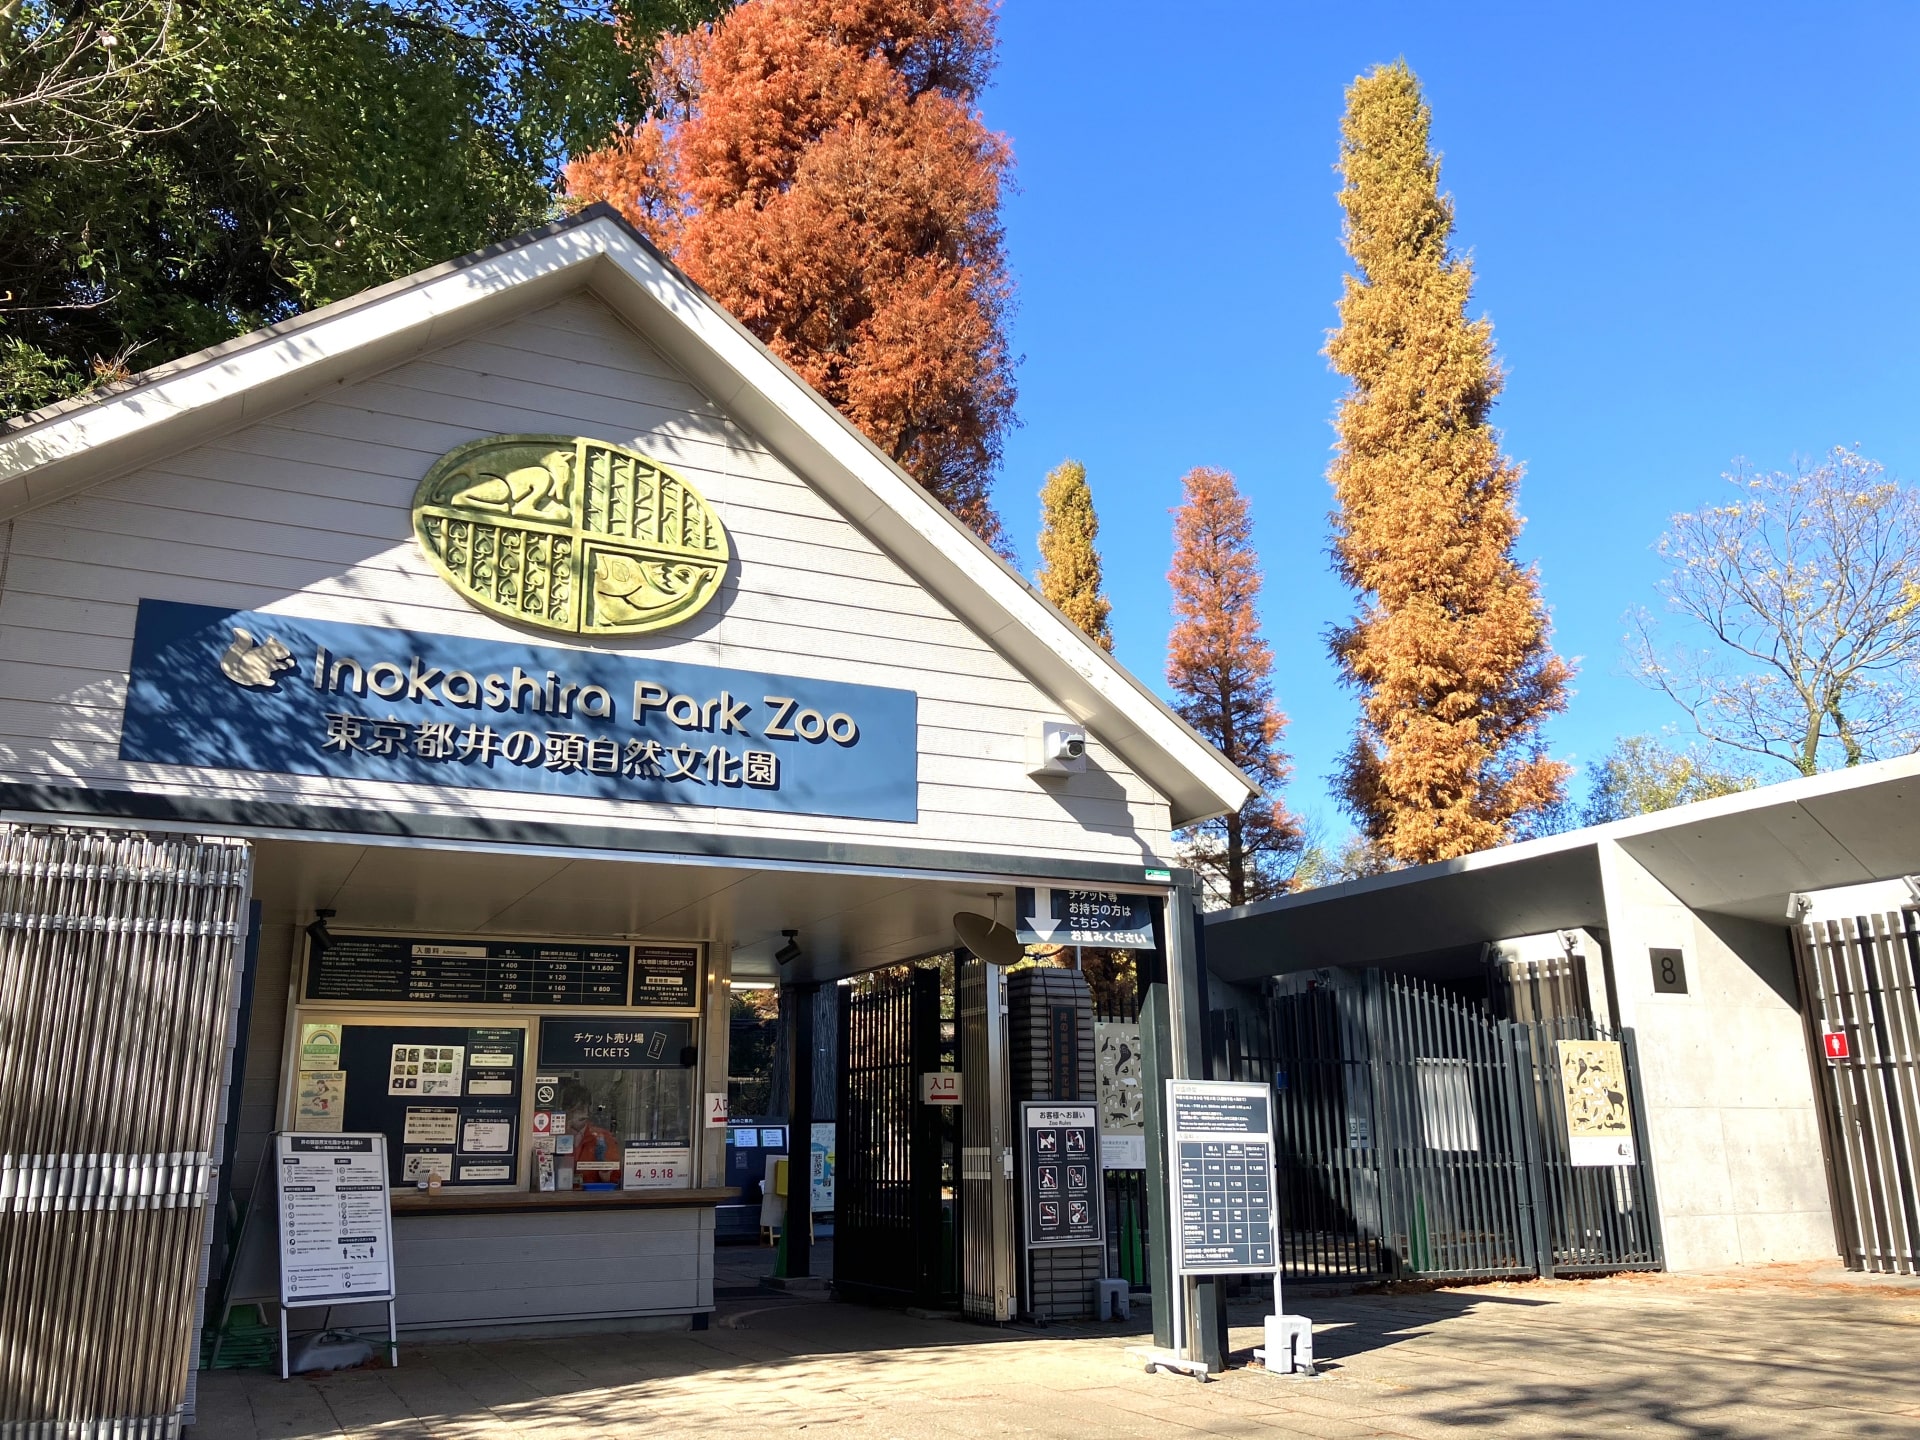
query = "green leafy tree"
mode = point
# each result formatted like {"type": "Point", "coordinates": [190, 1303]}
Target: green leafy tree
{"type": "Point", "coordinates": [1069, 564]}
{"type": "Point", "coordinates": [1641, 774]}
{"type": "Point", "coordinates": [273, 155]}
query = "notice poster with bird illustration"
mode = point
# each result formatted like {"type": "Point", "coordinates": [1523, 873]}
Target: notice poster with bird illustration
{"type": "Point", "coordinates": [1593, 1082]}
{"type": "Point", "coordinates": [1123, 1122]}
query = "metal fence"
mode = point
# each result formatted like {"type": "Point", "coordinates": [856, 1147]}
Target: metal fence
{"type": "Point", "coordinates": [1858, 977]}
{"type": "Point", "coordinates": [119, 967]}
{"type": "Point", "coordinates": [1420, 1135]}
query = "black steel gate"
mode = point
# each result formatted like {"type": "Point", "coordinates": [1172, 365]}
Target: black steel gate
{"type": "Point", "coordinates": [893, 1238]}
{"type": "Point", "coordinates": [1863, 1014]}
{"type": "Point", "coordinates": [1421, 1135]}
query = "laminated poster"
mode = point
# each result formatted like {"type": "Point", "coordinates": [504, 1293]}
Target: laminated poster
{"type": "Point", "coordinates": [320, 1101]}
{"type": "Point", "coordinates": [425, 1070]}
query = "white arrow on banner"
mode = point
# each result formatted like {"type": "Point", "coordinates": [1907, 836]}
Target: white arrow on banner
{"type": "Point", "coordinates": [1041, 922]}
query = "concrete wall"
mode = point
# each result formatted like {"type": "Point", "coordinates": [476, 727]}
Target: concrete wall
{"type": "Point", "coordinates": [1731, 1124]}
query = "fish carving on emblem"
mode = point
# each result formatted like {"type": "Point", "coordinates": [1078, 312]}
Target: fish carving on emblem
{"type": "Point", "coordinates": [570, 534]}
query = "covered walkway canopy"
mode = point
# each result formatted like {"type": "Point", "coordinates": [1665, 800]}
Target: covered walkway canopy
{"type": "Point", "coordinates": [1742, 855]}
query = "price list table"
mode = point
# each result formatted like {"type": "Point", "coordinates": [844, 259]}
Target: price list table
{"type": "Point", "coordinates": [1220, 1147]}
{"type": "Point", "coordinates": [442, 972]}
{"type": "Point", "coordinates": [1226, 1204]}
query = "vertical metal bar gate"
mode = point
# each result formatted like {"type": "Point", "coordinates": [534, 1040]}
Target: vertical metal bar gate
{"type": "Point", "coordinates": [888, 1220]}
{"type": "Point", "coordinates": [119, 965]}
{"type": "Point", "coordinates": [1420, 1135]}
{"type": "Point", "coordinates": [1858, 982]}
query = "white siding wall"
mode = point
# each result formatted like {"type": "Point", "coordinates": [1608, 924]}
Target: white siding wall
{"type": "Point", "coordinates": [308, 514]}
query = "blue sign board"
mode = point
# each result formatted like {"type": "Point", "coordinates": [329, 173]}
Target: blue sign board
{"type": "Point", "coordinates": [242, 690]}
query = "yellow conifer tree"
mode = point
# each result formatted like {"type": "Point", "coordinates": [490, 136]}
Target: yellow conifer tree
{"type": "Point", "coordinates": [1069, 564]}
{"type": "Point", "coordinates": [1449, 651]}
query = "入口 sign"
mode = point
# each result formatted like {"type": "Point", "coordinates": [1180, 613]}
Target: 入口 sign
{"type": "Point", "coordinates": [940, 1087]}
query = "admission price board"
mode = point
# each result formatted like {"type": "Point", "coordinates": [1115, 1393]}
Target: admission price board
{"type": "Point", "coordinates": [1061, 1153]}
{"type": "Point", "coordinates": [408, 969]}
{"type": "Point", "coordinates": [1220, 1147]}
{"type": "Point", "coordinates": [336, 1233]}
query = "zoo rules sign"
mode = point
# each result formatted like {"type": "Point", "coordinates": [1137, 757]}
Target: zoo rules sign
{"type": "Point", "coordinates": [242, 690]}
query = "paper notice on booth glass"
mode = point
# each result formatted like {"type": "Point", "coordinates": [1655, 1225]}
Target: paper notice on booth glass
{"type": "Point", "coordinates": [426, 1166]}
{"type": "Point", "coordinates": [486, 1137]}
{"type": "Point", "coordinates": [425, 1070]}
{"type": "Point", "coordinates": [656, 1168]}
{"type": "Point", "coordinates": [430, 1126]}
{"type": "Point", "coordinates": [485, 1174]}
{"type": "Point", "coordinates": [320, 1101]}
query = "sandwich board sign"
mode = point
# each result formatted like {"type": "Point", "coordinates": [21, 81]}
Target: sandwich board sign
{"type": "Point", "coordinates": [336, 1226]}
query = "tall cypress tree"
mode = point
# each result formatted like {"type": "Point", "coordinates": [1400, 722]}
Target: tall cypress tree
{"type": "Point", "coordinates": [1449, 651]}
{"type": "Point", "coordinates": [1069, 564]}
{"type": "Point", "coordinates": [1221, 670]}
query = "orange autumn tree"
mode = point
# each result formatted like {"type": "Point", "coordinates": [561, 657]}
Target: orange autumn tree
{"type": "Point", "coordinates": [1449, 650]}
{"type": "Point", "coordinates": [1220, 669]}
{"type": "Point", "coordinates": [820, 168]}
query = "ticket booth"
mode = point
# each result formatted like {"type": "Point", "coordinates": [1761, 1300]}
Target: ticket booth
{"type": "Point", "coordinates": [555, 657]}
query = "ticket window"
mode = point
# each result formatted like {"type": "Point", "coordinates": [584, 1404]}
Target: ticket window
{"type": "Point", "coordinates": [624, 1129]}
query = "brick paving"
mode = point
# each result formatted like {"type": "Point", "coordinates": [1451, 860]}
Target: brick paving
{"type": "Point", "coordinates": [1771, 1353]}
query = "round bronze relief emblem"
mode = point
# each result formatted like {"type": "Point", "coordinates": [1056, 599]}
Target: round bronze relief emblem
{"type": "Point", "coordinates": [570, 534]}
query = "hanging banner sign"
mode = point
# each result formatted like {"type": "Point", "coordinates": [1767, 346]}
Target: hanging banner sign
{"type": "Point", "coordinates": [1105, 918]}
{"type": "Point", "coordinates": [242, 690]}
{"type": "Point", "coordinates": [1220, 1148]}
{"type": "Point", "coordinates": [336, 1232]}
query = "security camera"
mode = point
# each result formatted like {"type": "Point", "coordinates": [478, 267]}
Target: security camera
{"type": "Point", "coordinates": [1063, 749]}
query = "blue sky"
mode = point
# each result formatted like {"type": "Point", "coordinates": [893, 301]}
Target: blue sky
{"type": "Point", "coordinates": [1695, 230]}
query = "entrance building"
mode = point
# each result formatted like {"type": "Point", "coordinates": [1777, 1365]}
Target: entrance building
{"type": "Point", "coordinates": [534, 657]}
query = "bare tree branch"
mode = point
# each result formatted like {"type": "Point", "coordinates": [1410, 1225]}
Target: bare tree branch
{"type": "Point", "coordinates": [1808, 586]}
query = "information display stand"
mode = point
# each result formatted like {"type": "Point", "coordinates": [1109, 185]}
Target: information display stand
{"type": "Point", "coordinates": [336, 1226]}
{"type": "Point", "coordinates": [1225, 1220]}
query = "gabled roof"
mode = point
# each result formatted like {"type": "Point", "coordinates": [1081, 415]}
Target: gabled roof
{"type": "Point", "coordinates": [59, 451]}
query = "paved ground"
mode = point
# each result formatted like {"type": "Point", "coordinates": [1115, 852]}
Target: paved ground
{"type": "Point", "coordinates": [1787, 1353]}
